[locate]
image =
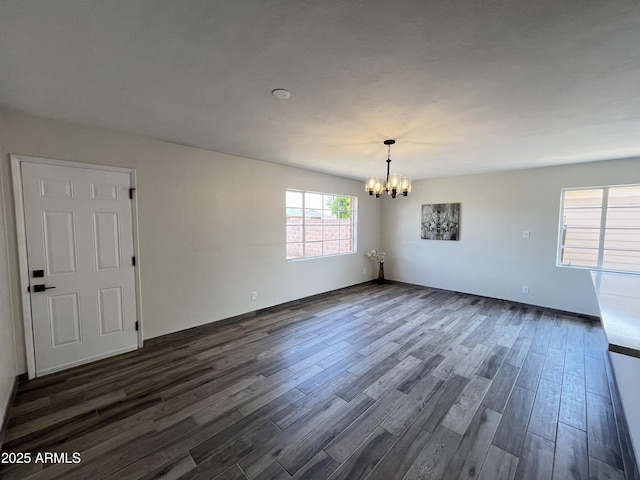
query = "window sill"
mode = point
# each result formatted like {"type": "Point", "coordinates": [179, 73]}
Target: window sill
{"type": "Point", "coordinates": [301, 259]}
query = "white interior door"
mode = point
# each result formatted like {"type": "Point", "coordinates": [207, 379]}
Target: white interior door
{"type": "Point", "coordinates": [79, 236]}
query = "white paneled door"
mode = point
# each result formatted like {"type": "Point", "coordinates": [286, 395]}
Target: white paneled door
{"type": "Point", "coordinates": [79, 237]}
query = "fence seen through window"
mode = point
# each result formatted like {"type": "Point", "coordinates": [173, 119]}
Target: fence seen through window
{"type": "Point", "coordinates": [319, 224]}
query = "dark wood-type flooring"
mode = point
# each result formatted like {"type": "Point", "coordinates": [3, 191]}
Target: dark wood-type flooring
{"type": "Point", "coordinates": [380, 382]}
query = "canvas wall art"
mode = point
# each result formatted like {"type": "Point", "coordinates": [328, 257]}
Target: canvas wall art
{"type": "Point", "coordinates": [441, 221]}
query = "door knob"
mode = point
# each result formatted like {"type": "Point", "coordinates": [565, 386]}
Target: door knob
{"type": "Point", "coordinates": [39, 288]}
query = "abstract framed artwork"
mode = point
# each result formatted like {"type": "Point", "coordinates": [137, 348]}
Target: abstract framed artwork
{"type": "Point", "coordinates": [441, 221]}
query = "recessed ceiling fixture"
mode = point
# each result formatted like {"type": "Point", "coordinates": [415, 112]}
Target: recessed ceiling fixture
{"type": "Point", "coordinates": [281, 93]}
{"type": "Point", "coordinates": [394, 185]}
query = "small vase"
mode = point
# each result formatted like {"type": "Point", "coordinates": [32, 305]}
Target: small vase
{"type": "Point", "coordinates": [381, 274]}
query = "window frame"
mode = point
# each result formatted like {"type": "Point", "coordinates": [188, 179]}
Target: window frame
{"type": "Point", "coordinates": [604, 206]}
{"type": "Point", "coordinates": [353, 224]}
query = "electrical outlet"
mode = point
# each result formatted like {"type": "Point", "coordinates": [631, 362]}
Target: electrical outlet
{"type": "Point", "coordinates": [525, 289]}
{"type": "Point", "coordinates": [254, 295]}
{"type": "Point", "coordinates": [526, 234]}
{"type": "Point", "coordinates": [364, 271]}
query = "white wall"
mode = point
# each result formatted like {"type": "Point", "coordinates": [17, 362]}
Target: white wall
{"type": "Point", "coordinates": [492, 258]}
{"type": "Point", "coordinates": [212, 226]}
{"type": "Point", "coordinates": [7, 350]}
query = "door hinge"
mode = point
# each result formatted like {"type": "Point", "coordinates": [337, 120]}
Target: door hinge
{"type": "Point", "coordinates": [131, 190]}
{"type": "Point", "coordinates": [133, 261]}
{"type": "Point", "coordinates": [137, 326]}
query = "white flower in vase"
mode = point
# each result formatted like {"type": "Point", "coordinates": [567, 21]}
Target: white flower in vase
{"type": "Point", "coordinates": [378, 257]}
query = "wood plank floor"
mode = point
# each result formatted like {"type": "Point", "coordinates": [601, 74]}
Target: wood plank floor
{"type": "Point", "coordinates": [380, 382]}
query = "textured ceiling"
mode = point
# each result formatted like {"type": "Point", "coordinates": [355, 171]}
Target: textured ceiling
{"type": "Point", "coordinates": [464, 86]}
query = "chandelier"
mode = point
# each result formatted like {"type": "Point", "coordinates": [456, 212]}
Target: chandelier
{"type": "Point", "coordinates": [394, 185]}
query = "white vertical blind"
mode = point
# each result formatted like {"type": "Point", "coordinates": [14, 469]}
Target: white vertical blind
{"type": "Point", "coordinates": [600, 228]}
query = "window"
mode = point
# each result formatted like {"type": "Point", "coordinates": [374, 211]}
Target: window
{"type": "Point", "coordinates": [319, 224]}
{"type": "Point", "coordinates": [600, 228]}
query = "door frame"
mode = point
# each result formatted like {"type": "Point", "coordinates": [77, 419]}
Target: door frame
{"type": "Point", "coordinates": [16, 171]}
